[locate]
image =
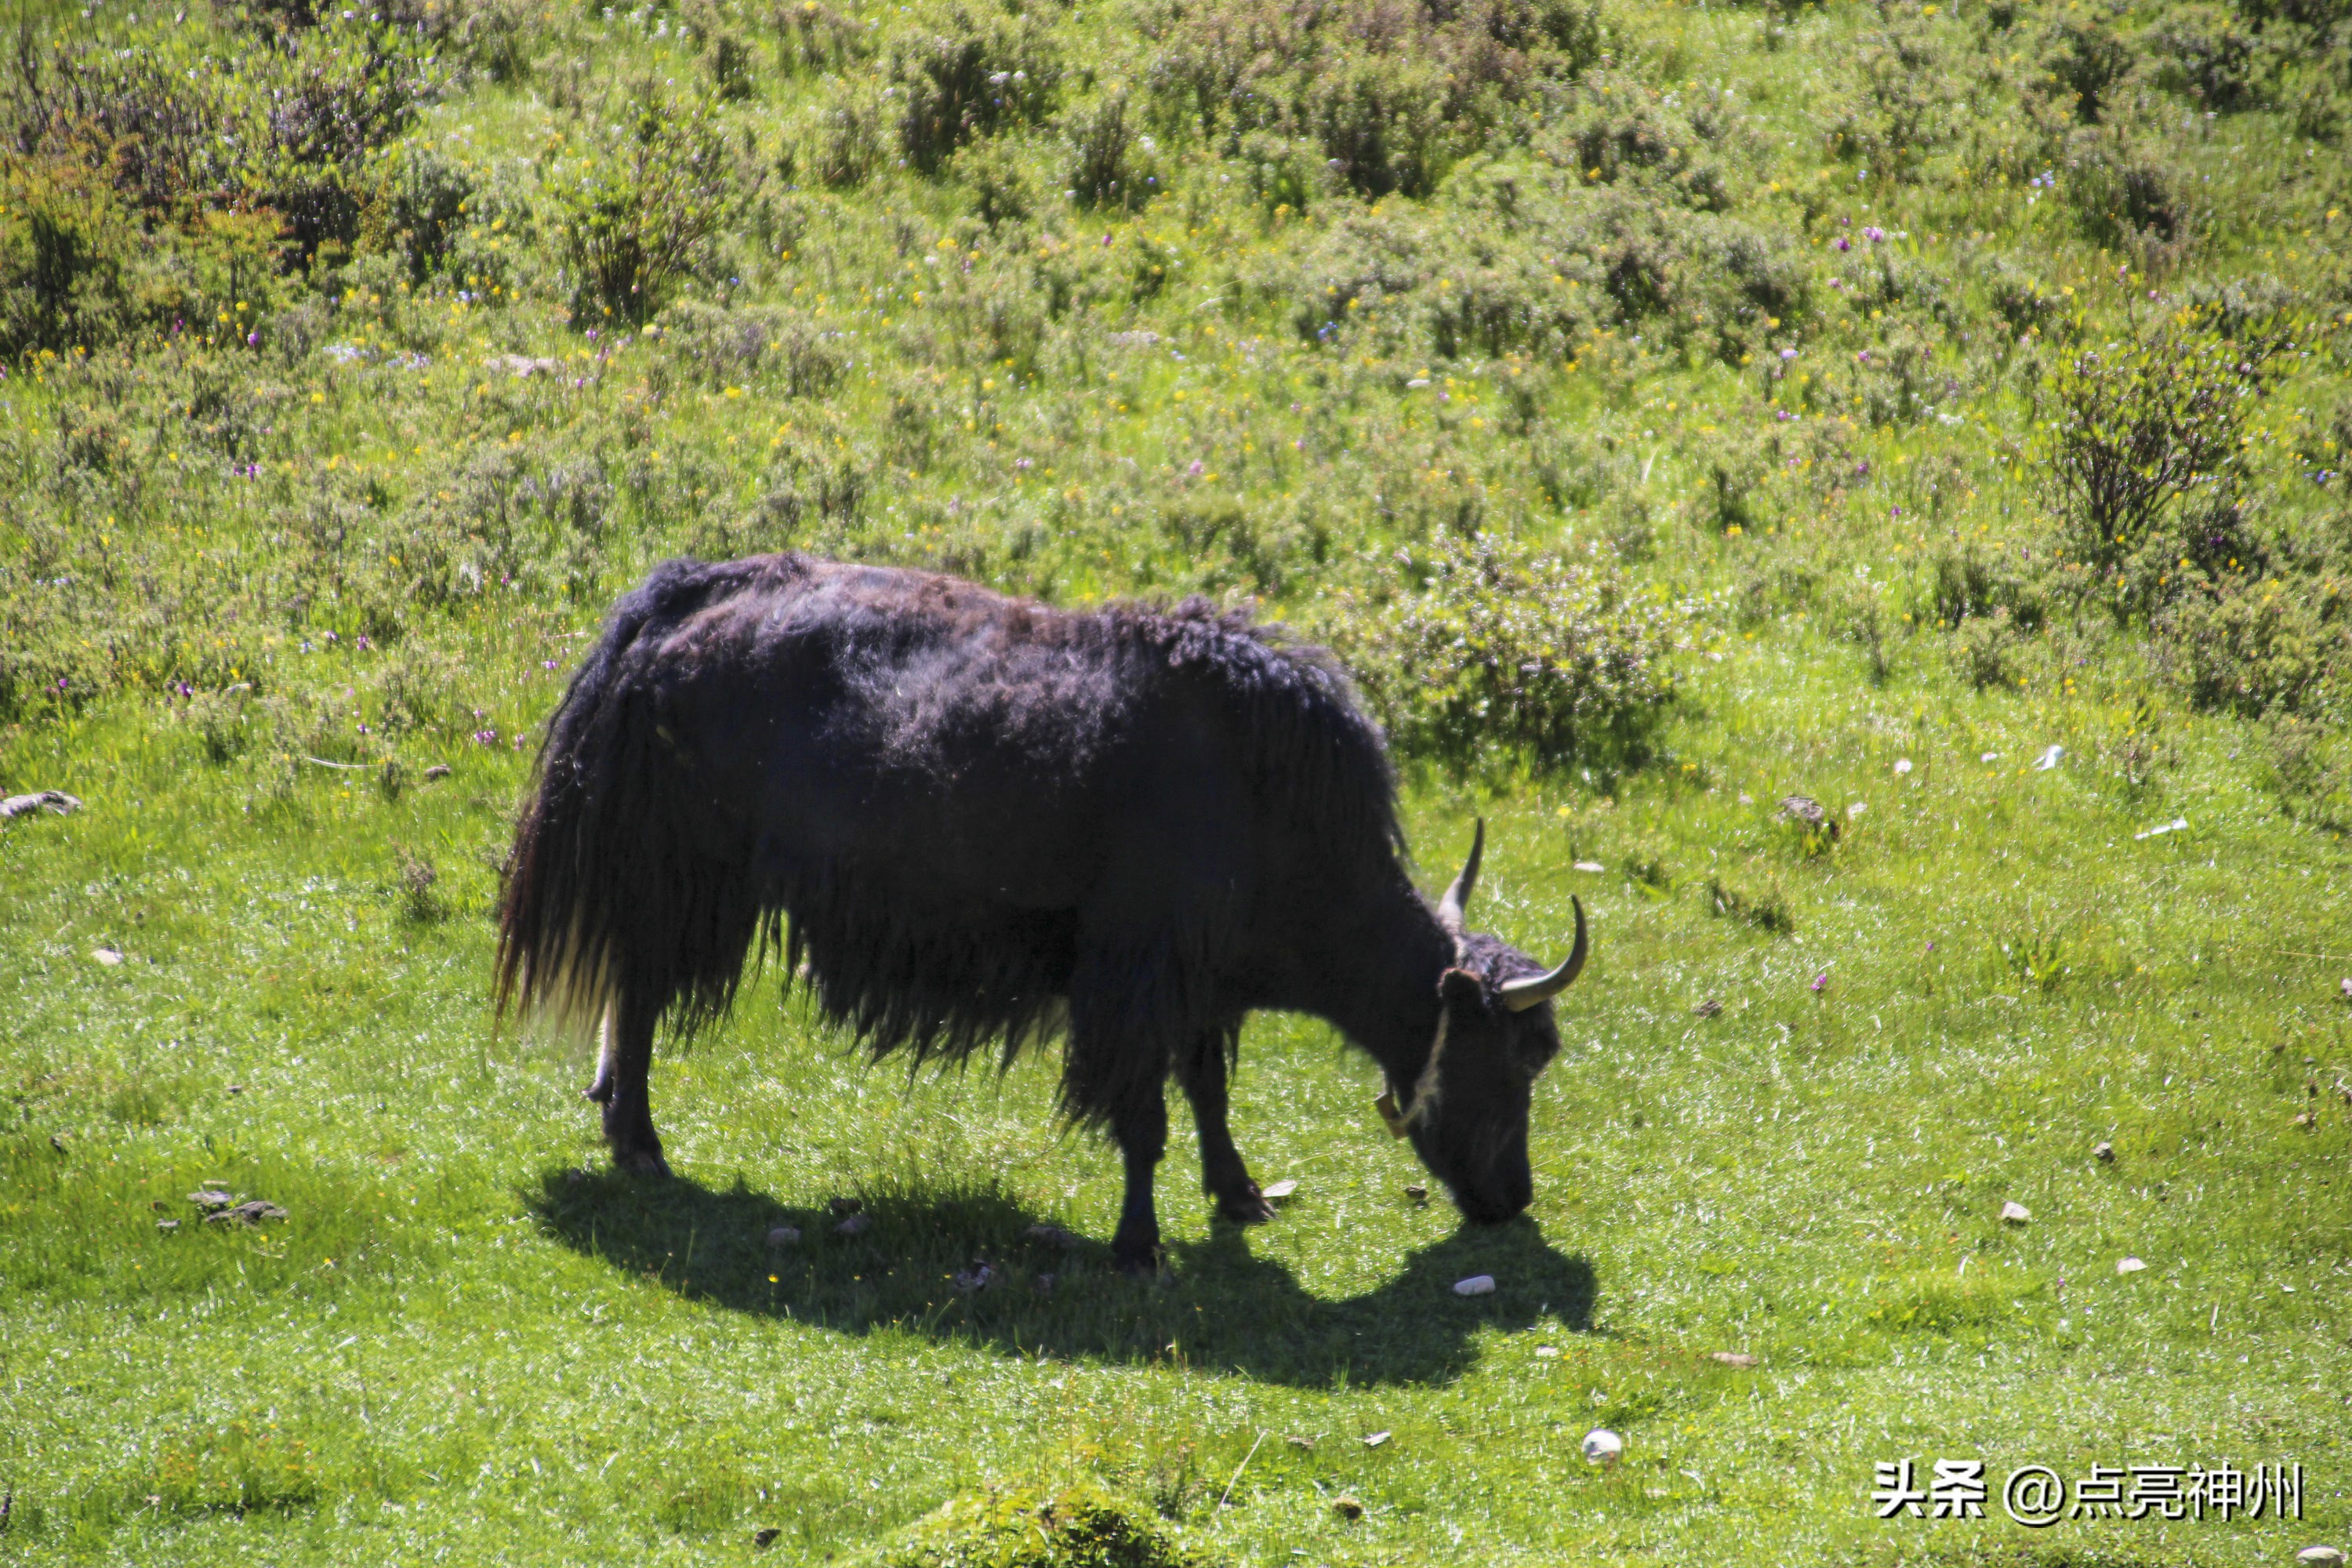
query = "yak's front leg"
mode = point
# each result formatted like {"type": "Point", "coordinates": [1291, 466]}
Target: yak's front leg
{"type": "Point", "coordinates": [1140, 1131]}
{"type": "Point", "coordinates": [624, 1054]}
{"type": "Point", "coordinates": [1222, 1175]}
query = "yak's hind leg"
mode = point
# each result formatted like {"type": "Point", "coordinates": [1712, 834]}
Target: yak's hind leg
{"type": "Point", "coordinates": [625, 1053]}
{"type": "Point", "coordinates": [1222, 1175]}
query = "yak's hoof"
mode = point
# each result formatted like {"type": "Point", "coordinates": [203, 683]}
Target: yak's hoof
{"type": "Point", "coordinates": [640, 1163]}
{"type": "Point", "coordinates": [1142, 1264]}
{"type": "Point", "coordinates": [1246, 1207]}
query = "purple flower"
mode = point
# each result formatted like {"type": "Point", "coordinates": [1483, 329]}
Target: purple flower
{"type": "Point", "coordinates": [1197, 470]}
{"type": "Point", "coordinates": [363, 729]}
{"type": "Point", "coordinates": [1019, 462]}
{"type": "Point", "coordinates": [364, 642]}
{"type": "Point", "coordinates": [1821, 982]}
{"type": "Point", "coordinates": [547, 664]}
{"type": "Point", "coordinates": [1842, 243]}
{"type": "Point", "coordinates": [485, 736]}
{"type": "Point", "coordinates": [1788, 353]}
{"type": "Point", "coordinates": [62, 683]}
{"type": "Point", "coordinates": [1873, 234]}
{"type": "Point", "coordinates": [1898, 511]}
{"type": "Point", "coordinates": [253, 340]}
{"type": "Point", "coordinates": [1862, 356]}
{"type": "Point", "coordinates": [332, 637]}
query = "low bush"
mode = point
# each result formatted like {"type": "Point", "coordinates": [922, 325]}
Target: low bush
{"type": "Point", "coordinates": [2145, 465]}
{"type": "Point", "coordinates": [965, 71]}
{"type": "Point", "coordinates": [636, 212]}
{"type": "Point", "coordinates": [1495, 652]}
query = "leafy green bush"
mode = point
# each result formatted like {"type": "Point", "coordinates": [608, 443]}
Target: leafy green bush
{"type": "Point", "coordinates": [636, 212]}
{"type": "Point", "coordinates": [1072, 1526]}
{"type": "Point", "coordinates": [964, 72]}
{"type": "Point", "coordinates": [2145, 462]}
{"type": "Point", "coordinates": [1497, 652]}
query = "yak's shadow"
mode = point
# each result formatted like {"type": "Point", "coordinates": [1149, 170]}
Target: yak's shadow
{"type": "Point", "coordinates": [1219, 1307]}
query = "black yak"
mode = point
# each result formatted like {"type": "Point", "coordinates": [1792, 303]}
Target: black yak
{"type": "Point", "coordinates": [971, 819]}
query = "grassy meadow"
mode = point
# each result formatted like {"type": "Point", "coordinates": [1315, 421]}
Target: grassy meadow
{"type": "Point", "coordinates": [1935, 412]}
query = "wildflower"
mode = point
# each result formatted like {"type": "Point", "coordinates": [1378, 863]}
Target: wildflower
{"type": "Point", "coordinates": [253, 340]}
{"type": "Point", "coordinates": [363, 643]}
{"type": "Point", "coordinates": [1842, 243]}
{"type": "Point", "coordinates": [1821, 982]}
{"type": "Point", "coordinates": [485, 736]}
{"type": "Point", "coordinates": [1873, 234]}
{"type": "Point", "coordinates": [1788, 353]}
{"type": "Point", "coordinates": [1197, 468]}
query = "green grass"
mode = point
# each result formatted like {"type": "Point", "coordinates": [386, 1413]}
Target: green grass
{"type": "Point", "coordinates": [250, 594]}
{"type": "Point", "coordinates": [470, 1336]}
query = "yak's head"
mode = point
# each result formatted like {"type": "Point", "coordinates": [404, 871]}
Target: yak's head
{"type": "Point", "coordinates": [1467, 1111]}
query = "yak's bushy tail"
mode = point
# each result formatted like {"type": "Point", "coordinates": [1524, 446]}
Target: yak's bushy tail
{"type": "Point", "coordinates": [620, 889]}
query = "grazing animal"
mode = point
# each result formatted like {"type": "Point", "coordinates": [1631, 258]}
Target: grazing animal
{"type": "Point", "coordinates": [970, 819]}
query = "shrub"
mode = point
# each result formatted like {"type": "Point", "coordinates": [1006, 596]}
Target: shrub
{"type": "Point", "coordinates": [2143, 463]}
{"type": "Point", "coordinates": [637, 211]}
{"type": "Point", "coordinates": [2251, 647]}
{"type": "Point", "coordinates": [965, 74]}
{"type": "Point", "coordinates": [1101, 171]}
{"type": "Point", "coordinates": [1499, 654]}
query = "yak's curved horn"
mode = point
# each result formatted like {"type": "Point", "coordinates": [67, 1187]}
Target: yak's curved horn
{"type": "Point", "coordinates": [1519, 996]}
{"type": "Point", "coordinates": [1449, 910]}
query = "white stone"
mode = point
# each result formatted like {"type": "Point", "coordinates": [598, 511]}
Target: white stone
{"type": "Point", "coordinates": [2015, 1212]}
{"type": "Point", "coordinates": [1477, 1285]}
{"type": "Point", "coordinates": [2128, 1266]}
{"type": "Point", "coordinates": [1602, 1446]}
{"type": "Point", "coordinates": [1274, 1192]}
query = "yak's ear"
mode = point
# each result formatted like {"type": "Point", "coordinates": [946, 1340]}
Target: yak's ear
{"type": "Point", "coordinates": [1460, 988]}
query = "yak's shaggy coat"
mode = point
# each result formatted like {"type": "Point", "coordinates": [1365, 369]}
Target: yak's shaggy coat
{"type": "Point", "coordinates": [976, 820]}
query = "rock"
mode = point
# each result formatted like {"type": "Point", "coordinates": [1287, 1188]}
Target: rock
{"type": "Point", "coordinates": [1042, 1284]}
{"type": "Point", "coordinates": [236, 1089]}
{"type": "Point", "coordinates": [1377, 1438]}
{"type": "Point", "coordinates": [167, 1226]}
{"type": "Point", "coordinates": [521, 365]}
{"type": "Point", "coordinates": [1051, 1235]}
{"type": "Point", "coordinates": [1732, 1358]}
{"type": "Point", "coordinates": [1418, 1196]}
{"type": "Point", "coordinates": [2321, 1556]}
{"type": "Point", "coordinates": [1596, 865]}
{"type": "Point", "coordinates": [763, 1539]}
{"type": "Point", "coordinates": [2103, 1152]}
{"type": "Point", "coordinates": [249, 1212]}
{"type": "Point", "coordinates": [209, 1198]}
{"type": "Point", "coordinates": [1305, 1443]}
{"type": "Point", "coordinates": [2306, 1120]}
{"type": "Point", "coordinates": [2128, 1266]}
{"type": "Point", "coordinates": [1602, 1446]}
{"type": "Point", "coordinates": [2015, 1212]}
{"type": "Point", "coordinates": [1707, 1009]}
{"type": "Point", "coordinates": [855, 1224]}
{"type": "Point", "coordinates": [437, 771]}
{"type": "Point", "coordinates": [1347, 1508]}
{"type": "Point", "coordinates": [56, 802]}
{"type": "Point", "coordinates": [1803, 808]}
{"type": "Point", "coordinates": [843, 1208]}
{"type": "Point", "coordinates": [783, 1236]}
{"type": "Point", "coordinates": [972, 1281]}
{"type": "Point", "coordinates": [1548, 1353]}
{"type": "Point", "coordinates": [1274, 1192]}
{"type": "Point", "coordinates": [109, 956]}
{"type": "Point", "coordinates": [1477, 1285]}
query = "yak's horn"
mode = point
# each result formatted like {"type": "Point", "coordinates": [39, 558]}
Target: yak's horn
{"type": "Point", "coordinates": [1519, 996]}
{"type": "Point", "coordinates": [1449, 911]}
